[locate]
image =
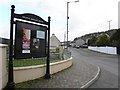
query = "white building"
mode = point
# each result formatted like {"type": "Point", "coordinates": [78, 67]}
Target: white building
{"type": "Point", "coordinates": [55, 47]}
{"type": "Point", "coordinates": [54, 42]}
{"type": "Point", "coordinates": [79, 42]}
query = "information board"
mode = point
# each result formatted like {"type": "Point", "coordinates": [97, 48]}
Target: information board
{"type": "Point", "coordinates": [30, 40]}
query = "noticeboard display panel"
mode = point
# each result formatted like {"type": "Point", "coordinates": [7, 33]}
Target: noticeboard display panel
{"type": "Point", "coordinates": [30, 40]}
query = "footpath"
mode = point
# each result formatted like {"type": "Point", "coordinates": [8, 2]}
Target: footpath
{"type": "Point", "coordinates": [79, 75]}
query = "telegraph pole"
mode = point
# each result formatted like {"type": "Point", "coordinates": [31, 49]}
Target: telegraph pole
{"type": "Point", "coordinates": [68, 17]}
{"type": "Point", "coordinates": [109, 23]}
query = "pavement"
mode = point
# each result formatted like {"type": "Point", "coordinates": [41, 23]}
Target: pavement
{"type": "Point", "coordinates": [79, 75]}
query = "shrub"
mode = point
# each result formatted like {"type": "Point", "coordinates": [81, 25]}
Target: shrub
{"type": "Point", "coordinates": [103, 40]}
{"type": "Point", "coordinates": [115, 38]}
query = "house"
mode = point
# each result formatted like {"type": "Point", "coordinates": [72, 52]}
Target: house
{"type": "Point", "coordinates": [55, 47]}
{"type": "Point", "coordinates": [79, 42]}
{"type": "Point", "coordinates": [54, 42]}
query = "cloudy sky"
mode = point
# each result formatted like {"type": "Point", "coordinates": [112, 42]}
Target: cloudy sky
{"type": "Point", "coordinates": [85, 16]}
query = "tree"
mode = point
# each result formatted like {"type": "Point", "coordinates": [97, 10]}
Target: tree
{"type": "Point", "coordinates": [115, 38]}
{"type": "Point", "coordinates": [91, 42]}
{"type": "Point", "coordinates": [103, 40]}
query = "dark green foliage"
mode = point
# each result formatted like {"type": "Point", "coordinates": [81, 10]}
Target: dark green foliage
{"type": "Point", "coordinates": [91, 42]}
{"type": "Point", "coordinates": [103, 40]}
{"type": "Point", "coordinates": [115, 38]}
{"type": "Point", "coordinates": [116, 35]}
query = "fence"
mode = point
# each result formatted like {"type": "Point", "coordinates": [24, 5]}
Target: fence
{"type": "Point", "coordinates": [67, 54]}
{"type": "Point", "coordinates": [60, 56]}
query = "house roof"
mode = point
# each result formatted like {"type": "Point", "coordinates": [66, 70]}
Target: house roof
{"type": "Point", "coordinates": [54, 41]}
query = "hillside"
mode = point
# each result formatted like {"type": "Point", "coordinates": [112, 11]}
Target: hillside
{"type": "Point", "coordinates": [96, 34]}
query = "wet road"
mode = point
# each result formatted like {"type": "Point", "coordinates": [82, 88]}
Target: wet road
{"type": "Point", "coordinates": [107, 63]}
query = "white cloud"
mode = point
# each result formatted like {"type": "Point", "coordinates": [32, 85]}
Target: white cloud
{"type": "Point", "coordinates": [86, 16]}
{"type": "Point", "coordinates": [92, 16]}
{"type": "Point", "coordinates": [4, 31]}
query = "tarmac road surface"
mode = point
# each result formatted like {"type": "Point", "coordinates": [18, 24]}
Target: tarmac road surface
{"type": "Point", "coordinates": [107, 63]}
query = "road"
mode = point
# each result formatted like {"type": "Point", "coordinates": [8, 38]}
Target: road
{"type": "Point", "coordinates": [107, 63]}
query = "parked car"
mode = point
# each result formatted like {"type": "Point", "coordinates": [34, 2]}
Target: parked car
{"type": "Point", "coordinates": [77, 46]}
{"type": "Point", "coordinates": [84, 46]}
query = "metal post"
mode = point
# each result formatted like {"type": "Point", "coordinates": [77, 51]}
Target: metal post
{"type": "Point", "coordinates": [68, 18]}
{"type": "Point", "coordinates": [67, 22]}
{"type": "Point", "coordinates": [10, 83]}
{"type": "Point", "coordinates": [64, 40]}
{"type": "Point", "coordinates": [47, 75]}
{"type": "Point", "coordinates": [109, 23]}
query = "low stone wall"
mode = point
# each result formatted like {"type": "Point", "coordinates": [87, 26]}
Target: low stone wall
{"type": "Point", "coordinates": [3, 71]}
{"type": "Point", "coordinates": [107, 50]}
{"type": "Point", "coordinates": [22, 74]}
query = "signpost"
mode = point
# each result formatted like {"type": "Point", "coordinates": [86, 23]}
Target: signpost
{"type": "Point", "coordinates": [30, 41]}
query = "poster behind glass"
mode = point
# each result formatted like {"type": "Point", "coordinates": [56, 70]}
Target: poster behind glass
{"type": "Point", "coordinates": [41, 34]}
{"type": "Point", "coordinates": [30, 40]}
{"type": "Point", "coordinates": [26, 40]}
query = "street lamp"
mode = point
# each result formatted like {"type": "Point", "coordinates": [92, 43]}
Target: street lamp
{"type": "Point", "coordinates": [68, 17]}
{"type": "Point", "coordinates": [109, 23]}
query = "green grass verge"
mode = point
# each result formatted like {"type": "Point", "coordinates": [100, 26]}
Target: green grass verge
{"type": "Point", "coordinates": [30, 62]}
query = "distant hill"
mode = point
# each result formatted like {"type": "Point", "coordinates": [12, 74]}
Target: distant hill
{"type": "Point", "coordinates": [96, 34]}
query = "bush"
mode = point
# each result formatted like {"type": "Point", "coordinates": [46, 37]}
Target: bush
{"type": "Point", "coordinates": [91, 42]}
{"type": "Point", "coordinates": [103, 40]}
{"type": "Point", "coordinates": [115, 38]}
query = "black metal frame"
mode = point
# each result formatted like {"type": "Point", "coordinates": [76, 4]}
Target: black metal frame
{"type": "Point", "coordinates": [32, 18]}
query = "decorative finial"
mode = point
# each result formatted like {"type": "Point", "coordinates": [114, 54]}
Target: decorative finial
{"type": "Point", "coordinates": [13, 6]}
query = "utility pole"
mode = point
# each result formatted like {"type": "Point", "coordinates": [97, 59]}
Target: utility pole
{"type": "Point", "coordinates": [67, 22]}
{"type": "Point", "coordinates": [64, 40]}
{"type": "Point", "coordinates": [109, 23]}
{"type": "Point", "coordinates": [68, 17]}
